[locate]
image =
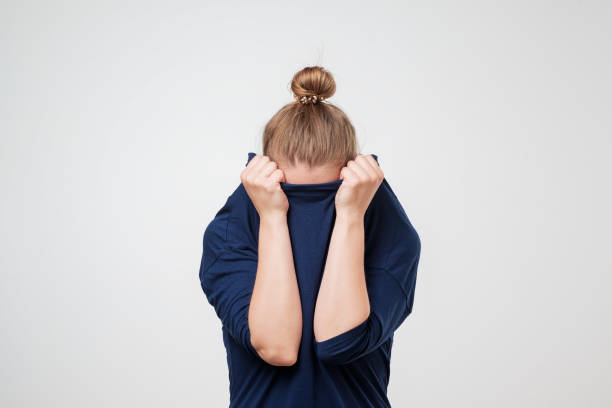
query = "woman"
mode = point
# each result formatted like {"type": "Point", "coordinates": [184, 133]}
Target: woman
{"type": "Point", "coordinates": [311, 263]}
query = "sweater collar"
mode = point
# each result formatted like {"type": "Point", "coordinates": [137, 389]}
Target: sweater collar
{"type": "Point", "coordinates": [308, 188]}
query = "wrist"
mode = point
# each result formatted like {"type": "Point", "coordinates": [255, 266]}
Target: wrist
{"type": "Point", "coordinates": [273, 217]}
{"type": "Point", "coordinates": [349, 216]}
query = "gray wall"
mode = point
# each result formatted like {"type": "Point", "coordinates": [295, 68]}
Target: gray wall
{"type": "Point", "coordinates": [124, 128]}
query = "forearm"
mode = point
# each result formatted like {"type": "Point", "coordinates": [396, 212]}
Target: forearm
{"type": "Point", "coordinates": [275, 312]}
{"type": "Point", "coordinates": [342, 301]}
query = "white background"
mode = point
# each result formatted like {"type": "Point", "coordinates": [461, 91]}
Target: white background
{"type": "Point", "coordinates": [125, 125]}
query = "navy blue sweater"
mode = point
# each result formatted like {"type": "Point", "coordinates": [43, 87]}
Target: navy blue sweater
{"type": "Point", "coordinates": [349, 370]}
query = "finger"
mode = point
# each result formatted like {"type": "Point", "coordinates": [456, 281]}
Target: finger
{"type": "Point", "coordinates": [252, 162]}
{"type": "Point", "coordinates": [249, 173]}
{"type": "Point", "coordinates": [348, 176]}
{"type": "Point", "coordinates": [343, 173]}
{"type": "Point", "coordinates": [246, 172]}
{"type": "Point", "coordinates": [277, 176]}
{"type": "Point", "coordinates": [370, 163]}
{"type": "Point", "coordinates": [377, 167]}
{"type": "Point", "coordinates": [260, 163]}
{"type": "Point", "coordinates": [268, 168]}
{"type": "Point", "coordinates": [358, 169]}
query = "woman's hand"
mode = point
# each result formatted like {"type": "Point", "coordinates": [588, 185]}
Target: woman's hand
{"type": "Point", "coordinates": [261, 179]}
{"type": "Point", "coordinates": [360, 181]}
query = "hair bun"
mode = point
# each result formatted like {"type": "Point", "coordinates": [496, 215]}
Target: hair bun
{"type": "Point", "coordinates": [313, 84]}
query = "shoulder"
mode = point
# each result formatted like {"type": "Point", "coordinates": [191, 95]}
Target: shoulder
{"type": "Point", "coordinates": [387, 210]}
{"type": "Point", "coordinates": [405, 231]}
{"type": "Point", "coordinates": [240, 203]}
{"type": "Point", "coordinates": [392, 242]}
{"type": "Point", "coordinates": [234, 225]}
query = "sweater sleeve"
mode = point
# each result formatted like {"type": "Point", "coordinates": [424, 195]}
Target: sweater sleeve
{"type": "Point", "coordinates": [389, 307]}
{"type": "Point", "coordinates": [227, 276]}
{"type": "Point", "coordinates": [391, 287]}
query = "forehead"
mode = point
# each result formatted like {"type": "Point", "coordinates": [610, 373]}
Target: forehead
{"type": "Point", "coordinates": [300, 172]}
{"type": "Point", "coordinates": [296, 164]}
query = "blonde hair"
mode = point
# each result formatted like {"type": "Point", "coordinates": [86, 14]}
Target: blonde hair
{"type": "Point", "coordinates": [313, 132]}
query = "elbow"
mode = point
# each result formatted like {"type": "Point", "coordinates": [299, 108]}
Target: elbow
{"type": "Point", "coordinates": [277, 356]}
{"type": "Point", "coordinates": [275, 353]}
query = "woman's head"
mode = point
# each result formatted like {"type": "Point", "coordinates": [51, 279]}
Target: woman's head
{"type": "Point", "coordinates": [309, 131]}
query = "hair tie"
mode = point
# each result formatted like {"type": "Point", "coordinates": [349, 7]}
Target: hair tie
{"type": "Point", "coordinates": [309, 99]}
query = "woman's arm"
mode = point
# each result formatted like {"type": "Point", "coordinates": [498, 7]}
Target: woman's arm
{"type": "Point", "coordinates": [275, 311]}
{"type": "Point", "coordinates": [342, 301]}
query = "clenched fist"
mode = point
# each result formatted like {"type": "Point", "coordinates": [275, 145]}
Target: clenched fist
{"type": "Point", "coordinates": [360, 181]}
{"type": "Point", "coordinates": [261, 179]}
